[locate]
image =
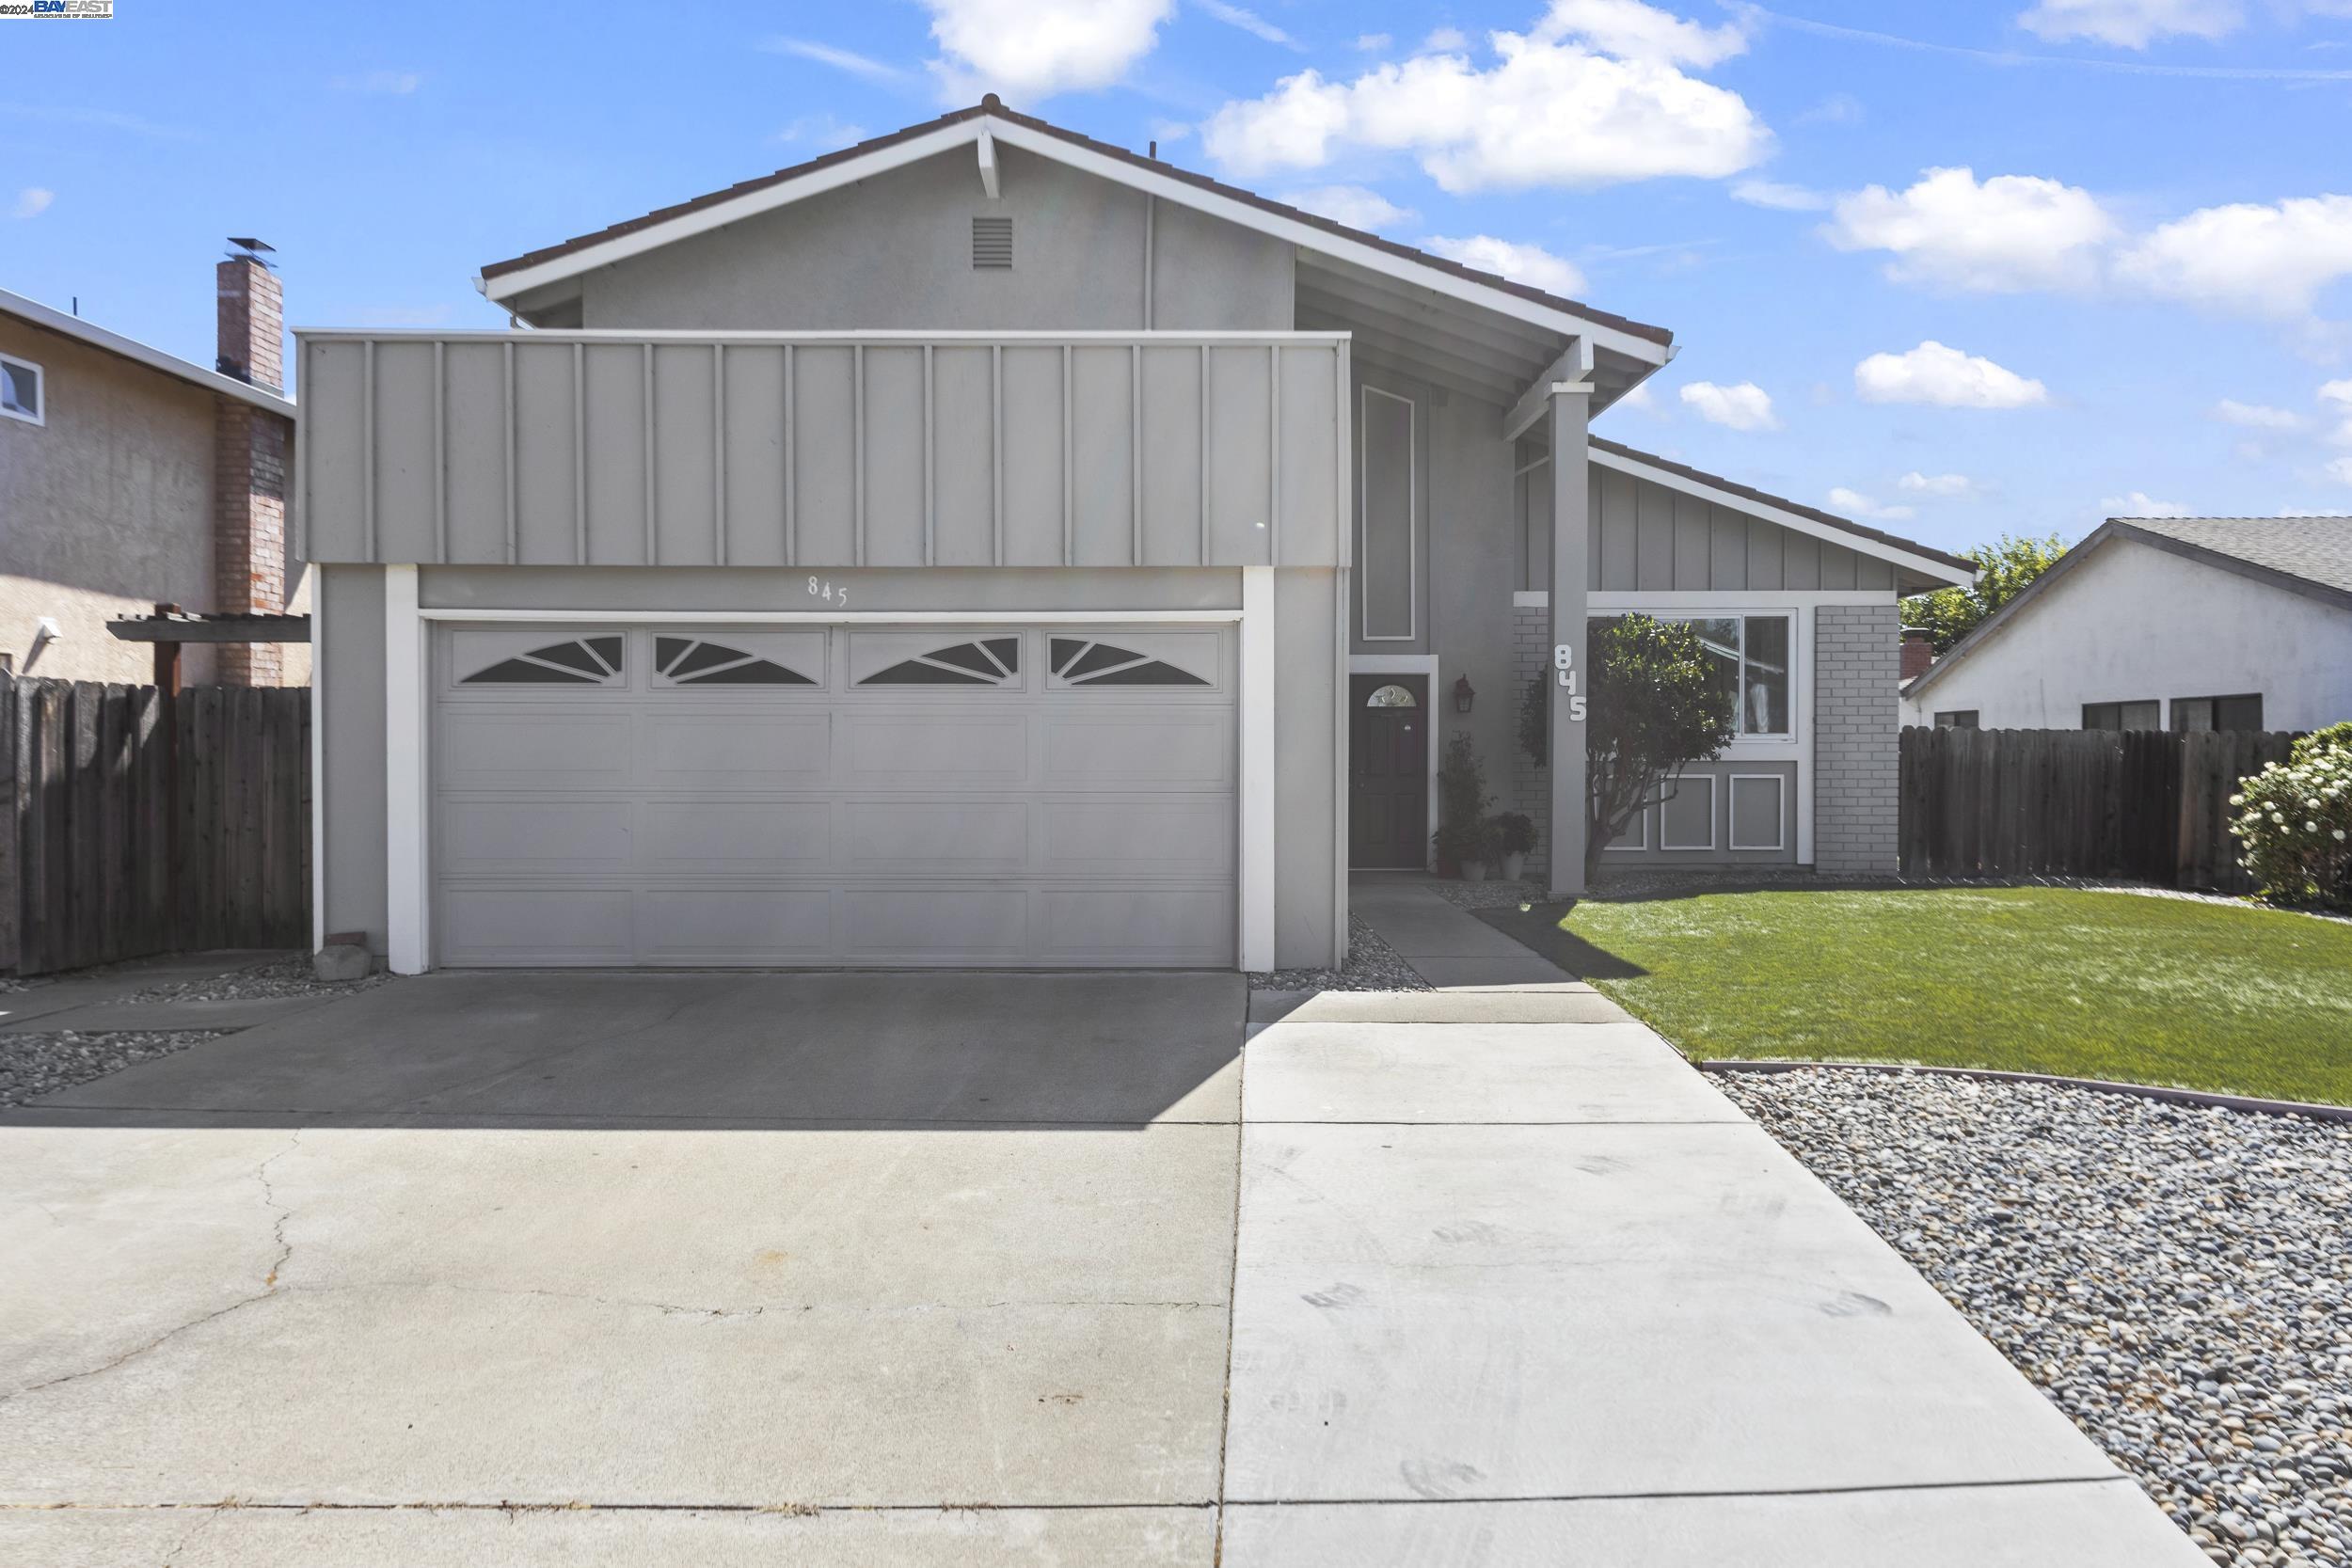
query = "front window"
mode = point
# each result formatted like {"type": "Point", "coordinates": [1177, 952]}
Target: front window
{"type": "Point", "coordinates": [2140, 715]}
{"type": "Point", "coordinates": [20, 389]}
{"type": "Point", "coordinates": [1956, 719]}
{"type": "Point", "coordinates": [1748, 656]}
{"type": "Point", "coordinates": [2243, 712]}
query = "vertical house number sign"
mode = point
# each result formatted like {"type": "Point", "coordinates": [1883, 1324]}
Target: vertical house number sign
{"type": "Point", "coordinates": [1564, 670]}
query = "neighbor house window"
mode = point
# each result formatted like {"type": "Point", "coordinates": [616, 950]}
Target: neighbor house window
{"type": "Point", "coordinates": [2122, 715]}
{"type": "Point", "coordinates": [1956, 719]}
{"type": "Point", "coordinates": [20, 391]}
{"type": "Point", "coordinates": [1749, 657]}
{"type": "Point", "coordinates": [2217, 713]}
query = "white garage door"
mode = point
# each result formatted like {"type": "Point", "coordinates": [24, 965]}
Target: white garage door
{"type": "Point", "coordinates": [1025, 796]}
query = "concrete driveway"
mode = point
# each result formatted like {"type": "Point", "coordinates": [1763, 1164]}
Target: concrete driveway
{"type": "Point", "coordinates": [635, 1269]}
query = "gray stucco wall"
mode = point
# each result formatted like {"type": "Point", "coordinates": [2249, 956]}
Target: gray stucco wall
{"type": "Point", "coordinates": [1856, 767]}
{"type": "Point", "coordinates": [349, 693]}
{"type": "Point", "coordinates": [896, 252]}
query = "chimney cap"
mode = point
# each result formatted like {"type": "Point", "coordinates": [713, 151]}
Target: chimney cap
{"type": "Point", "coordinates": [250, 250]}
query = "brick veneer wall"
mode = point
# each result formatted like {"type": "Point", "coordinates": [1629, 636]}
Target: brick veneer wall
{"type": "Point", "coordinates": [1856, 730]}
{"type": "Point", "coordinates": [249, 453]}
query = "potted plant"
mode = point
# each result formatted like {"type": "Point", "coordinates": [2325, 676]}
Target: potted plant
{"type": "Point", "coordinates": [1514, 836]}
{"type": "Point", "coordinates": [1462, 802]}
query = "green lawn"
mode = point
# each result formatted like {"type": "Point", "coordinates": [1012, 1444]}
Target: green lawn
{"type": "Point", "coordinates": [2095, 985]}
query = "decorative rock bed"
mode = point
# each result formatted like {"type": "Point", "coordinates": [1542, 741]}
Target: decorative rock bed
{"type": "Point", "coordinates": [2177, 1280]}
{"type": "Point", "coordinates": [276, 979]}
{"type": "Point", "coordinates": [32, 1065]}
{"type": "Point", "coordinates": [1371, 965]}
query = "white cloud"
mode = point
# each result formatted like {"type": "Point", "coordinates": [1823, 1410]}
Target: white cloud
{"type": "Point", "coordinates": [2008, 232]}
{"type": "Point", "coordinates": [846, 60]}
{"type": "Point", "coordinates": [1779, 197]}
{"type": "Point", "coordinates": [2256, 416]}
{"type": "Point", "coordinates": [32, 201]}
{"type": "Point", "coordinates": [1593, 94]}
{"type": "Point", "coordinates": [1248, 22]}
{"type": "Point", "coordinates": [1634, 31]}
{"type": "Point", "coordinates": [1641, 397]}
{"type": "Point", "coordinates": [396, 83]}
{"type": "Point", "coordinates": [820, 130]}
{"type": "Point", "coordinates": [1856, 505]}
{"type": "Point", "coordinates": [2341, 469]}
{"type": "Point", "coordinates": [1838, 108]}
{"type": "Point", "coordinates": [2256, 259]}
{"type": "Point", "coordinates": [2339, 393]}
{"type": "Point", "coordinates": [1032, 49]}
{"type": "Point", "coordinates": [1943, 486]}
{"type": "Point", "coordinates": [2131, 24]}
{"type": "Point", "coordinates": [1373, 42]}
{"type": "Point", "coordinates": [1530, 264]}
{"type": "Point", "coordinates": [1357, 206]}
{"type": "Point", "coordinates": [1945, 377]}
{"type": "Point", "coordinates": [2140, 505]}
{"type": "Point", "coordinates": [1745, 406]}
{"type": "Point", "coordinates": [1444, 40]}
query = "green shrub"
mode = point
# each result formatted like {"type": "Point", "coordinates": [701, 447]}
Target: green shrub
{"type": "Point", "coordinates": [2296, 822]}
{"type": "Point", "coordinates": [1513, 832]}
{"type": "Point", "coordinates": [1462, 802]}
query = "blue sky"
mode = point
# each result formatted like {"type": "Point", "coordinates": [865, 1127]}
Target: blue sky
{"type": "Point", "coordinates": [2137, 297]}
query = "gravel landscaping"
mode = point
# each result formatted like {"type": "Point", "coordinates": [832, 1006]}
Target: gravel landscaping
{"type": "Point", "coordinates": [276, 979]}
{"type": "Point", "coordinates": [1371, 965]}
{"type": "Point", "coordinates": [2176, 1278]}
{"type": "Point", "coordinates": [33, 1065]}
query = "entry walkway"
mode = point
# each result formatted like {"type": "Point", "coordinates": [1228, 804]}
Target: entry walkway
{"type": "Point", "coordinates": [1445, 945]}
{"type": "Point", "coordinates": [1514, 1283]}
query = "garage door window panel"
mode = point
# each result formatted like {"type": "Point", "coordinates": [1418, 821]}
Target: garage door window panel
{"type": "Point", "coordinates": [976, 661]}
{"type": "Point", "coordinates": [1133, 659]}
{"type": "Point", "coordinates": [695, 661]}
{"type": "Point", "coordinates": [582, 661]}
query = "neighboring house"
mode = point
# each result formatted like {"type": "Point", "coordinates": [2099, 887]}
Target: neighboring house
{"type": "Point", "coordinates": [2164, 623]}
{"type": "Point", "coordinates": [129, 478]}
{"type": "Point", "coordinates": [984, 545]}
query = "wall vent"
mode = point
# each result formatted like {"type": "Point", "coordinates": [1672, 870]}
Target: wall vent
{"type": "Point", "coordinates": [992, 242]}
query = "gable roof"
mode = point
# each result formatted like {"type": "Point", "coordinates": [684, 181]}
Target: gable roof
{"type": "Point", "coordinates": [54, 320]}
{"type": "Point", "coordinates": [1933, 564]}
{"type": "Point", "coordinates": [2312, 556]}
{"type": "Point", "coordinates": [504, 280]}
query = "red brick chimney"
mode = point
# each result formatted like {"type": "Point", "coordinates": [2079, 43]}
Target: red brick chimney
{"type": "Point", "coordinates": [1918, 652]}
{"type": "Point", "coordinates": [250, 451]}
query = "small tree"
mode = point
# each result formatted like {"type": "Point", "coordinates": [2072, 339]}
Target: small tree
{"type": "Point", "coordinates": [2004, 568]}
{"type": "Point", "coordinates": [1658, 705]}
{"type": "Point", "coordinates": [1462, 802]}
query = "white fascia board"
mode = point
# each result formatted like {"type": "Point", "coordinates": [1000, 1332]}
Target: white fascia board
{"type": "Point", "coordinates": [988, 166]}
{"type": "Point", "coordinates": [1860, 543]}
{"type": "Point", "coordinates": [153, 358]}
{"type": "Point", "coordinates": [1221, 338]}
{"type": "Point", "coordinates": [718, 214]}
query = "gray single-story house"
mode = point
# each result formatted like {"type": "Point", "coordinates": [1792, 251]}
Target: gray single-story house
{"type": "Point", "coordinates": [984, 545]}
{"type": "Point", "coordinates": [2163, 623]}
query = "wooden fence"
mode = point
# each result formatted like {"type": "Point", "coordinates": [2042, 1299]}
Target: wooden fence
{"type": "Point", "coordinates": [132, 822]}
{"type": "Point", "coordinates": [2140, 805]}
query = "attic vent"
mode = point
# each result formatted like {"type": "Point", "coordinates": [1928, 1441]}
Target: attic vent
{"type": "Point", "coordinates": [992, 242]}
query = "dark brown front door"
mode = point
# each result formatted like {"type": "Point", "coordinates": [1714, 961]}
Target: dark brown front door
{"type": "Point", "coordinates": [1388, 771]}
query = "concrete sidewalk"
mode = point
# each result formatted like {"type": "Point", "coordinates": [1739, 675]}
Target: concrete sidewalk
{"type": "Point", "coordinates": [1511, 1274]}
{"type": "Point", "coordinates": [1446, 946]}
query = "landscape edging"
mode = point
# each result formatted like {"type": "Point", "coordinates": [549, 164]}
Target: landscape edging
{"type": "Point", "coordinates": [2098, 1085]}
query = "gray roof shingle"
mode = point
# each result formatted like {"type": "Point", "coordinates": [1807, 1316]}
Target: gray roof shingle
{"type": "Point", "coordinates": [2318, 549]}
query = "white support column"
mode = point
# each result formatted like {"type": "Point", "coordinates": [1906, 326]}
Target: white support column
{"type": "Point", "coordinates": [318, 758]}
{"type": "Point", "coordinates": [1571, 411]}
{"type": "Point", "coordinates": [1257, 769]}
{"type": "Point", "coordinates": [409, 940]}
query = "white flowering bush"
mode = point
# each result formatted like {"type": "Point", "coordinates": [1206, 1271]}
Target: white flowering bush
{"type": "Point", "coordinates": [2294, 822]}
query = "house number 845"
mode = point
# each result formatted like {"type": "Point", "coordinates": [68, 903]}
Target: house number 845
{"type": "Point", "coordinates": [822, 587]}
{"type": "Point", "coordinates": [1563, 671]}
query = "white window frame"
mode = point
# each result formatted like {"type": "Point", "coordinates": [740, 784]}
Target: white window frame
{"type": "Point", "coordinates": [40, 395]}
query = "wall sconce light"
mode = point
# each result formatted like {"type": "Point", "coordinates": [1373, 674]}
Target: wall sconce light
{"type": "Point", "coordinates": [1463, 695]}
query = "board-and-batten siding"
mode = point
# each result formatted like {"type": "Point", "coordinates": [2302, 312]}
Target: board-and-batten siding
{"type": "Point", "coordinates": [1648, 538]}
{"type": "Point", "coordinates": [1099, 450]}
